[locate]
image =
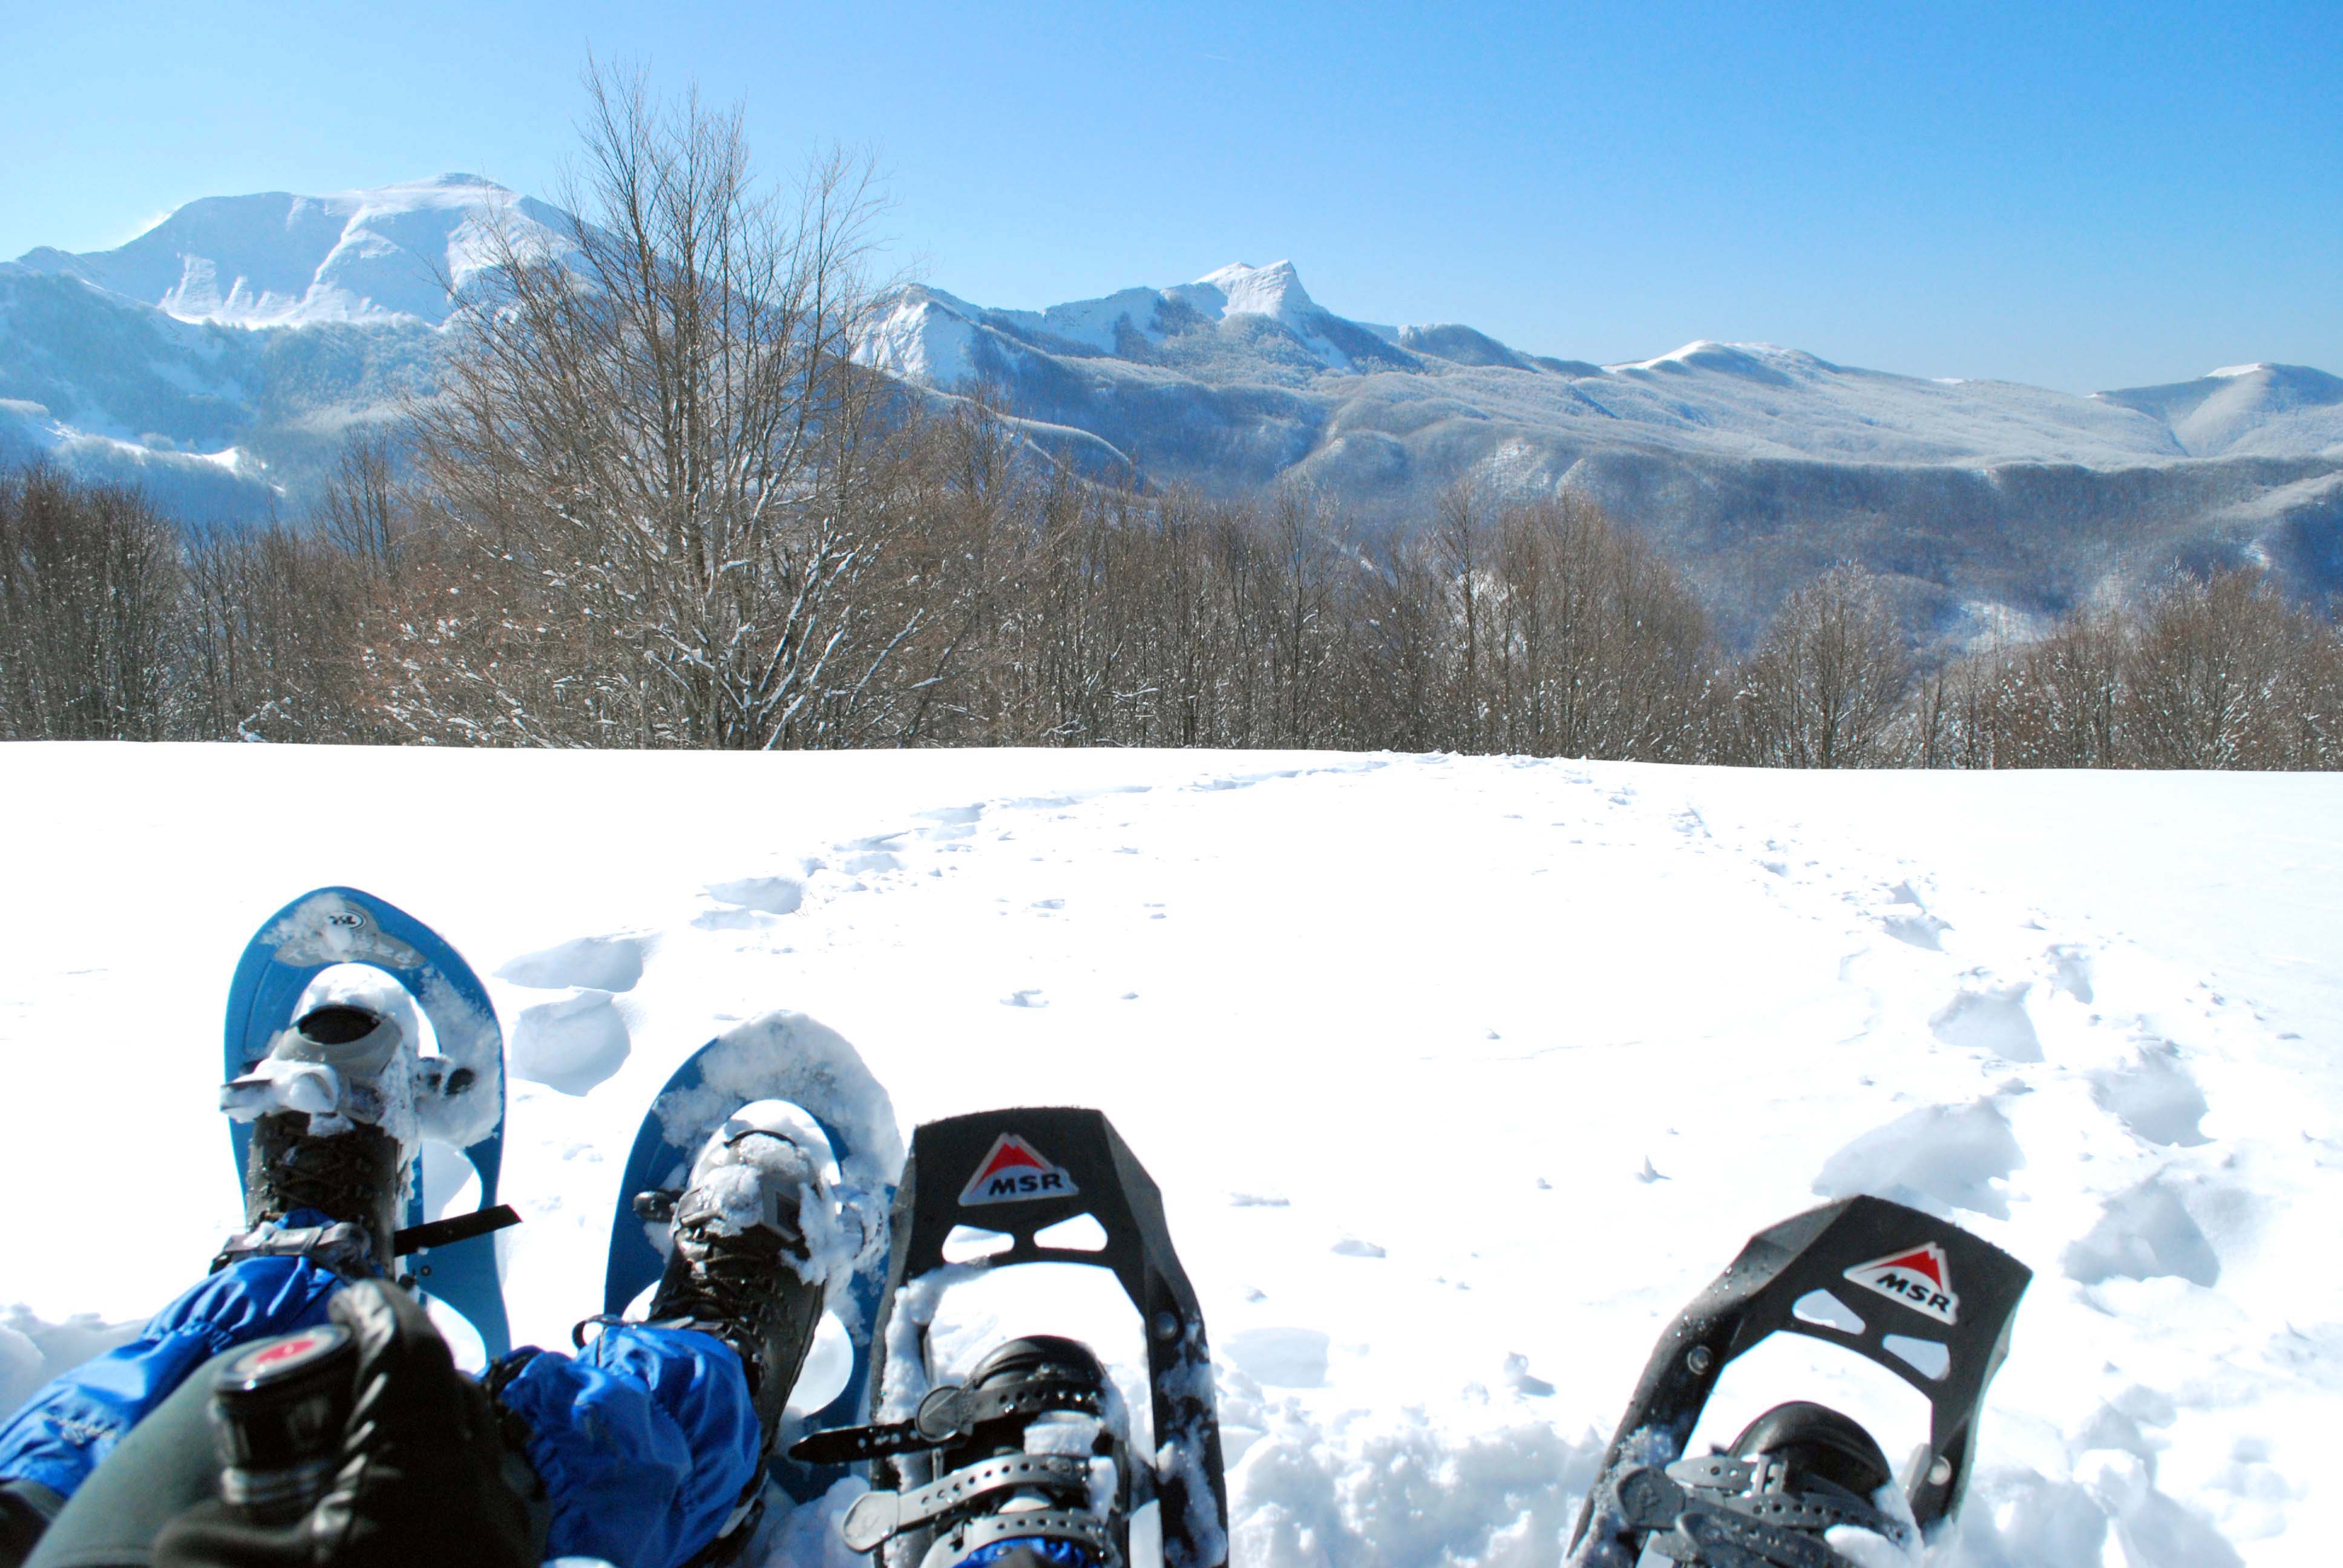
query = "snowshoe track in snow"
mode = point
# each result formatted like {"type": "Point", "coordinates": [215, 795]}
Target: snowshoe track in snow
{"type": "Point", "coordinates": [1551, 1038]}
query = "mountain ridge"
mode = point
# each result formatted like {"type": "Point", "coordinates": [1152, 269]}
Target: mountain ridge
{"type": "Point", "coordinates": [220, 358]}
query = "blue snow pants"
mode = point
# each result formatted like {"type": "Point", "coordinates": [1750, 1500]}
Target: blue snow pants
{"type": "Point", "coordinates": [644, 1441]}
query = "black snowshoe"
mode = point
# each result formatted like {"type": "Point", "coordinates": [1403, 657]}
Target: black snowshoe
{"type": "Point", "coordinates": [1917, 1295]}
{"type": "Point", "coordinates": [1030, 1464]}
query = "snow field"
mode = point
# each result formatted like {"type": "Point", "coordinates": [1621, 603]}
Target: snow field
{"type": "Point", "coordinates": [1459, 1076]}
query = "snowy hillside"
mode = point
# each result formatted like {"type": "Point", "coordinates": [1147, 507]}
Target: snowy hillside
{"type": "Point", "coordinates": [217, 359]}
{"type": "Point", "coordinates": [220, 358]}
{"type": "Point", "coordinates": [1460, 1076]}
{"type": "Point", "coordinates": [1755, 465]}
{"type": "Point", "coordinates": [1752, 399]}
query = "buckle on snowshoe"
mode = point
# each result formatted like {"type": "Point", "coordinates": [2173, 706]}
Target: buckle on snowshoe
{"type": "Point", "coordinates": [1031, 1524]}
{"type": "Point", "coordinates": [343, 1247]}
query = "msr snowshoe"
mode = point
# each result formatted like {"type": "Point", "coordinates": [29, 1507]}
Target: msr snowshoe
{"type": "Point", "coordinates": [1913, 1293]}
{"type": "Point", "coordinates": [986, 1470]}
{"type": "Point", "coordinates": [741, 1267]}
{"type": "Point", "coordinates": [1030, 1461]}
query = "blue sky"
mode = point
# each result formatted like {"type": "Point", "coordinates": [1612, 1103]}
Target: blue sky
{"type": "Point", "coordinates": [2079, 197]}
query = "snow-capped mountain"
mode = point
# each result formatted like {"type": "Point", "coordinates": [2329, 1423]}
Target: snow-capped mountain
{"type": "Point", "coordinates": [220, 358]}
{"type": "Point", "coordinates": [1755, 465]}
{"type": "Point", "coordinates": [371, 257]}
{"type": "Point", "coordinates": [1749, 398]}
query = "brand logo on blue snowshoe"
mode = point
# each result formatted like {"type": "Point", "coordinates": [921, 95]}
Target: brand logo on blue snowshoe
{"type": "Point", "coordinates": [1919, 1278]}
{"type": "Point", "coordinates": [1015, 1172]}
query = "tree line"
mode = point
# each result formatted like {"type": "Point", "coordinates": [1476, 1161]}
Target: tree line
{"type": "Point", "coordinates": [971, 596]}
{"type": "Point", "coordinates": [659, 501]}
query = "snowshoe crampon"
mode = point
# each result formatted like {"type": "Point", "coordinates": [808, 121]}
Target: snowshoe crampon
{"type": "Point", "coordinates": [1912, 1294]}
{"type": "Point", "coordinates": [1027, 1461]}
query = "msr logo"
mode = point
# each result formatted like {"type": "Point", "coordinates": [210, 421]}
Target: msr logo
{"type": "Point", "coordinates": [1919, 1278]}
{"type": "Point", "coordinates": [1015, 1172]}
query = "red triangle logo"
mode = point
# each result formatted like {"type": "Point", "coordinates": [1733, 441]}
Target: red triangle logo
{"type": "Point", "coordinates": [1918, 1277]}
{"type": "Point", "coordinates": [1923, 1262]}
{"type": "Point", "coordinates": [1014, 1171]}
{"type": "Point", "coordinates": [1011, 1154]}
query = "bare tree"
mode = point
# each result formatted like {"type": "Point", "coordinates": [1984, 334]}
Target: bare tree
{"type": "Point", "coordinates": [1460, 544]}
{"type": "Point", "coordinates": [2217, 676]}
{"type": "Point", "coordinates": [89, 609]}
{"type": "Point", "coordinates": [1824, 688]}
{"type": "Point", "coordinates": [362, 508]}
{"type": "Point", "coordinates": [1601, 649]}
{"type": "Point", "coordinates": [667, 428]}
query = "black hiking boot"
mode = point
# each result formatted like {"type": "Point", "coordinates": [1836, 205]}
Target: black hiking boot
{"type": "Point", "coordinates": [324, 1177]}
{"type": "Point", "coordinates": [740, 1268]}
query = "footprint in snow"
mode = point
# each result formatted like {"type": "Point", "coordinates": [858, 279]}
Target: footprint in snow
{"type": "Point", "coordinates": [1992, 1019]}
{"type": "Point", "coordinates": [1907, 920]}
{"type": "Point", "coordinates": [1029, 997]}
{"type": "Point", "coordinates": [1518, 1377]}
{"type": "Point", "coordinates": [2071, 972]}
{"type": "Point", "coordinates": [767, 895]}
{"type": "Point", "coordinates": [1352, 1247]}
{"type": "Point", "coordinates": [1938, 1158]}
{"type": "Point", "coordinates": [612, 963]}
{"type": "Point", "coordinates": [570, 1044]}
{"type": "Point", "coordinates": [2144, 1233]}
{"type": "Point", "coordinates": [2154, 1095]}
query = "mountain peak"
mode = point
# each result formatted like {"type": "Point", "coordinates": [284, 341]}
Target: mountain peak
{"type": "Point", "coordinates": [1274, 290]}
{"type": "Point", "coordinates": [381, 255]}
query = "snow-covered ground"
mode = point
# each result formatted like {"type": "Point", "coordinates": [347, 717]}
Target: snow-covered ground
{"type": "Point", "coordinates": [1459, 1076]}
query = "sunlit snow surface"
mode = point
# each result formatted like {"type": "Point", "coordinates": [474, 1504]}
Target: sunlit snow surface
{"type": "Point", "coordinates": [1460, 1077]}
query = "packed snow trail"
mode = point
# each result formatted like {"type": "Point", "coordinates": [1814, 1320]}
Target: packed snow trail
{"type": "Point", "coordinates": [1459, 1076]}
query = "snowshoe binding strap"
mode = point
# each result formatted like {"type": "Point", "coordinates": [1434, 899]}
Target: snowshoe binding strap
{"type": "Point", "coordinates": [343, 1247]}
{"type": "Point", "coordinates": [458, 1228]}
{"type": "Point", "coordinates": [1797, 1472]}
{"type": "Point", "coordinates": [949, 1414]}
{"type": "Point", "coordinates": [878, 1517]}
{"type": "Point", "coordinates": [996, 1491]}
{"type": "Point", "coordinates": [1083, 1530]}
